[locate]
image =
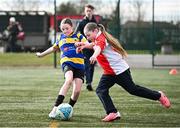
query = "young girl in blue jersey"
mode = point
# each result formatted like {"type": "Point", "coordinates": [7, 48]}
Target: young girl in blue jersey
{"type": "Point", "coordinates": [72, 63]}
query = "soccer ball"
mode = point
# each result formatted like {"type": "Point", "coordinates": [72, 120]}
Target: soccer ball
{"type": "Point", "coordinates": [64, 111]}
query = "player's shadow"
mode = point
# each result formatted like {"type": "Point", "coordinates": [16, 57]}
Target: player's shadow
{"type": "Point", "coordinates": [80, 121]}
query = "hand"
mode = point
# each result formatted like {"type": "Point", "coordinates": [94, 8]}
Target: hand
{"type": "Point", "coordinates": [78, 44]}
{"type": "Point", "coordinates": [38, 54]}
{"type": "Point", "coordinates": [78, 50]}
{"type": "Point", "coordinates": [92, 60]}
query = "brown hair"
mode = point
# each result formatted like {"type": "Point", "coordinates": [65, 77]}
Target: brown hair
{"type": "Point", "coordinates": [67, 21]}
{"type": "Point", "coordinates": [110, 39]}
{"type": "Point", "coordinates": [89, 6]}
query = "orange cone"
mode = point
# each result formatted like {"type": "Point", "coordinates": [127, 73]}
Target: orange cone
{"type": "Point", "coordinates": [173, 71]}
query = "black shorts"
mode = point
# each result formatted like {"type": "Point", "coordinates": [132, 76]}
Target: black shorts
{"type": "Point", "coordinates": [77, 73]}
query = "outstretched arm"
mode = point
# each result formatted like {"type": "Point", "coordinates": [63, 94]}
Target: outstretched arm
{"type": "Point", "coordinates": [89, 45]}
{"type": "Point", "coordinates": [81, 45]}
{"type": "Point", "coordinates": [46, 52]}
{"type": "Point", "coordinates": [97, 51]}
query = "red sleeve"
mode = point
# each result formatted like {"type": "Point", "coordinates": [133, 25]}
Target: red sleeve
{"type": "Point", "coordinates": [101, 42]}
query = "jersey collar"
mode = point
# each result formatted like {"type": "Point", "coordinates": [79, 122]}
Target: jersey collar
{"type": "Point", "coordinates": [98, 34]}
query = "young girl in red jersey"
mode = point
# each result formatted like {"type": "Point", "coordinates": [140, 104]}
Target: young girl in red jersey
{"type": "Point", "coordinates": [110, 55]}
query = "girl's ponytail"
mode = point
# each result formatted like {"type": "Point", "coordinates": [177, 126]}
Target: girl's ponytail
{"type": "Point", "coordinates": [113, 41]}
{"type": "Point", "coordinates": [110, 39]}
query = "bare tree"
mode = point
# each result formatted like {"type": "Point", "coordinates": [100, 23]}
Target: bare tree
{"type": "Point", "coordinates": [137, 7]}
{"type": "Point", "coordinates": [67, 9]}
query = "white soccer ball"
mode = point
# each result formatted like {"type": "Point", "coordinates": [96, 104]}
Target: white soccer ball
{"type": "Point", "coordinates": [64, 111]}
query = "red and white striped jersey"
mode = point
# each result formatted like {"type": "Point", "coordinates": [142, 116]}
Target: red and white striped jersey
{"type": "Point", "coordinates": [111, 61]}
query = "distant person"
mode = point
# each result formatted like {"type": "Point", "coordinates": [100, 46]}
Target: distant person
{"type": "Point", "coordinates": [110, 55]}
{"type": "Point", "coordinates": [89, 68]}
{"type": "Point", "coordinates": [72, 63]}
{"type": "Point", "coordinates": [13, 29]}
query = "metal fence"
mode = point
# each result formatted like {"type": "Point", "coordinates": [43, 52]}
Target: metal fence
{"type": "Point", "coordinates": [143, 26]}
{"type": "Point", "coordinates": [149, 27]}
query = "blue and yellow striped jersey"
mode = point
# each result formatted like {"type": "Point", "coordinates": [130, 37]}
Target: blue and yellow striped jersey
{"type": "Point", "coordinates": [66, 44]}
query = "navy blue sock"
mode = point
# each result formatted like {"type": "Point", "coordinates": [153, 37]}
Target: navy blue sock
{"type": "Point", "coordinates": [59, 100]}
{"type": "Point", "coordinates": [72, 102]}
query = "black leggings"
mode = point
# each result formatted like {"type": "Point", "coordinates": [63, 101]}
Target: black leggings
{"type": "Point", "coordinates": [124, 80]}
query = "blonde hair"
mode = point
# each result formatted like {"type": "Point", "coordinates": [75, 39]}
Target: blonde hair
{"type": "Point", "coordinates": [110, 39]}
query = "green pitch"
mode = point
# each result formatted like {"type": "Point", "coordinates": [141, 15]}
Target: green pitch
{"type": "Point", "coordinates": [27, 96]}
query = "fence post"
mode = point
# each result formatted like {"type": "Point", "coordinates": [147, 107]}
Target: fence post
{"type": "Point", "coordinates": [119, 24]}
{"type": "Point", "coordinates": [55, 58]}
{"type": "Point", "coordinates": [152, 34]}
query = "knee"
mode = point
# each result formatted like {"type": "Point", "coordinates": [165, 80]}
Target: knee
{"type": "Point", "coordinates": [133, 90]}
{"type": "Point", "coordinates": [68, 81]}
{"type": "Point", "coordinates": [100, 92]}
